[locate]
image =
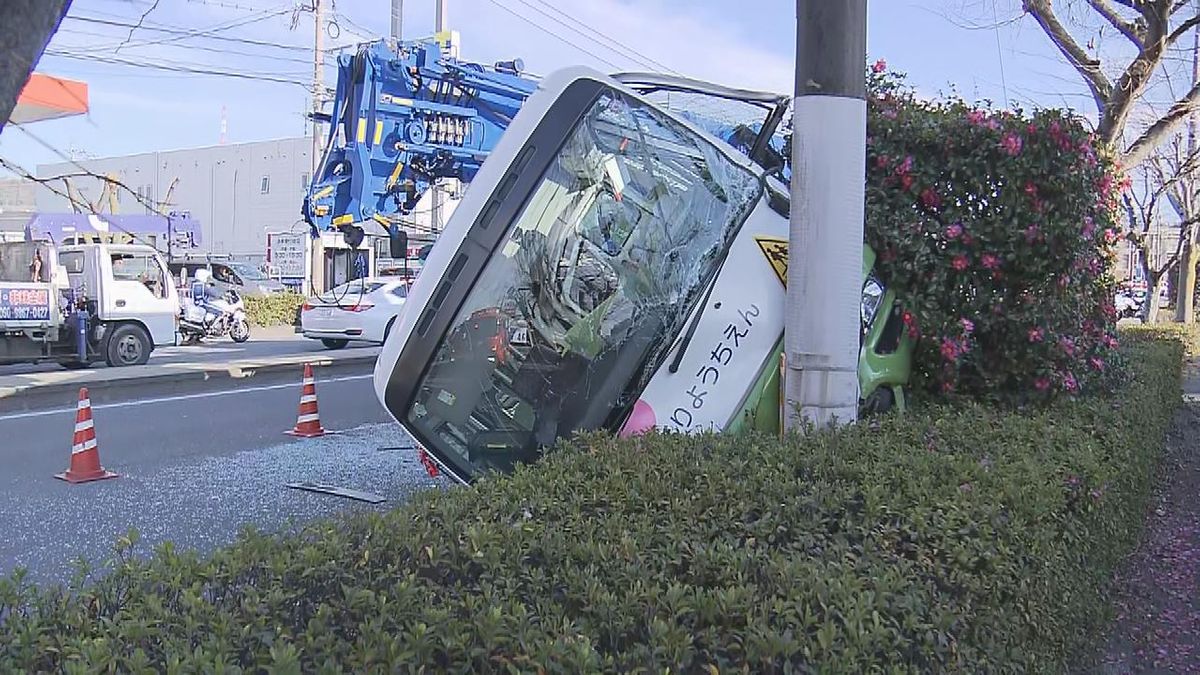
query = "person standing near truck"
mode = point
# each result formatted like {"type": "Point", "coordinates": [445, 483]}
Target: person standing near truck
{"type": "Point", "coordinates": [35, 267]}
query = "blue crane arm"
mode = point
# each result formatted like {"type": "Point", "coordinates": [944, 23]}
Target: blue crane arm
{"type": "Point", "coordinates": [402, 119]}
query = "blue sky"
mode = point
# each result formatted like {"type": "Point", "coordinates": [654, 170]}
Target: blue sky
{"type": "Point", "coordinates": [135, 109]}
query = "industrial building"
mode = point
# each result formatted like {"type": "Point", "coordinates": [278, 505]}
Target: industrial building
{"type": "Point", "coordinates": [240, 193]}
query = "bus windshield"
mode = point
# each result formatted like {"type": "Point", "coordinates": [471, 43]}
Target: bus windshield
{"type": "Point", "coordinates": [587, 290]}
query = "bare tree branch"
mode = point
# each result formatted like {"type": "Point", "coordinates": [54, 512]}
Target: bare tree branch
{"type": "Point", "coordinates": [1087, 67]}
{"type": "Point", "coordinates": [1129, 29]}
{"type": "Point", "coordinates": [1166, 125]}
{"type": "Point", "coordinates": [1183, 28]}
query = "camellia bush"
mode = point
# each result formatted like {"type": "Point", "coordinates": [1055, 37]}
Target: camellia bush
{"type": "Point", "coordinates": [997, 229]}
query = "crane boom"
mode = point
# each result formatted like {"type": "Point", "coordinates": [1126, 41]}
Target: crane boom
{"type": "Point", "coordinates": [404, 117]}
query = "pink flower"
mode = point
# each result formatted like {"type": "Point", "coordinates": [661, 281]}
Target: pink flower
{"type": "Point", "coordinates": [908, 318]}
{"type": "Point", "coordinates": [993, 124]}
{"type": "Point", "coordinates": [950, 350]}
{"type": "Point", "coordinates": [1070, 383]}
{"type": "Point", "coordinates": [1031, 189]}
{"type": "Point", "coordinates": [1041, 384]}
{"type": "Point", "coordinates": [930, 198]}
{"type": "Point", "coordinates": [1097, 363]}
{"type": "Point", "coordinates": [906, 165]}
{"type": "Point", "coordinates": [1064, 280]}
{"type": "Point", "coordinates": [967, 239]}
{"type": "Point", "coordinates": [1031, 233]}
{"type": "Point", "coordinates": [891, 113]}
{"type": "Point", "coordinates": [1011, 144]}
{"type": "Point", "coordinates": [880, 66]}
{"type": "Point", "coordinates": [906, 182]}
{"type": "Point", "coordinates": [954, 231]}
{"type": "Point", "coordinates": [976, 117]}
{"type": "Point", "coordinates": [1110, 235]}
{"type": "Point", "coordinates": [1110, 342]}
{"type": "Point", "coordinates": [967, 325]}
{"type": "Point", "coordinates": [959, 263]}
{"type": "Point", "coordinates": [990, 261]}
{"type": "Point", "coordinates": [882, 161]}
{"type": "Point", "coordinates": [1067, 345]}
{"type": "Point", "coordinates": [1035, 335]}
{"type": "Point", "coordinates": [1030, 129]}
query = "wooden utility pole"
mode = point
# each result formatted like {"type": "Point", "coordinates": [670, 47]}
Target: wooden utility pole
{"type": "Point", "coordinates": [824, 289]}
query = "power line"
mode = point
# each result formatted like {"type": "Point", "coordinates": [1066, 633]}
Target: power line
{"type": "Point", "coordinates": [554, 35]}
{"type": "Point", "coordinates": [224, 26]}
{"type": "Point", "coordinates": [614, 45]}
{"type": "Point", "coordinates": [215, 50]}
{"type": "Point", "coordinates": [175, 68]}
{"type": "Point", "coordinates": [171, 30]}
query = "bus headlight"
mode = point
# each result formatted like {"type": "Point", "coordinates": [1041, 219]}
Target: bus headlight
{"type": "Point", "coordinates": [872, 297]}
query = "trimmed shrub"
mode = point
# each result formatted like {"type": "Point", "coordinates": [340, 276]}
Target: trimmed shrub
{"type": "Point", "coordinates": [280, 309]}
{"type": "Point", "coordinates": [997, 229]}
{"type": "Point", "coordinates": [954, 539]}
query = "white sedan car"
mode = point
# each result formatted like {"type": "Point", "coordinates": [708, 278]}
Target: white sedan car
{"type": "Point", "coordinates": [361, 310]}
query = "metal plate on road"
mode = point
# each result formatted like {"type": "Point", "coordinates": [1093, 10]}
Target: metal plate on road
{"type": "Point", "coordinates": [336, 491]}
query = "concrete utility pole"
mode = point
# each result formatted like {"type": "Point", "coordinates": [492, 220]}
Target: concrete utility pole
{"type": "Point", "coordinates": [1185, 279]}
{"type": "Point", "coordinates": [821, 330]}
{"type": "Point", "coordinates": [316, 279]}
{"type": "Point", "coordinates": [318, 79]}
{"type": "Point", "coordinates": [435, 196]}
{"type": "Point", "coordinates": [397, 19]}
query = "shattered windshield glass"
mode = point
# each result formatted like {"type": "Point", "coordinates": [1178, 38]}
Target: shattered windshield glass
{"type": "Point", "coordinates": [589, 287]}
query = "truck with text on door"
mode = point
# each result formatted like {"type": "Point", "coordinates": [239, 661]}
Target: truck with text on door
{"type": "Point", "coordinates": [76, 305]}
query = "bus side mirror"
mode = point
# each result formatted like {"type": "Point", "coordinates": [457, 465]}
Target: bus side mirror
{"type": "Point", "coordinates": [398, 243]}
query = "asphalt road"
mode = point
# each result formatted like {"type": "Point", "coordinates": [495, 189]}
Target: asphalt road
{"type": "Point", "coordinates": [263, 342]}
{"type": "Point", "coordinates": [195, 466]}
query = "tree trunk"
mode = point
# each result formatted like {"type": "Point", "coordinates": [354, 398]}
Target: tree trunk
{"type": "Point", "coordinates": [25, 28]}
{"type": "Point", "coordinates": [1185, 294]}
{"type": "Point", "coordinates": [1154, 288]}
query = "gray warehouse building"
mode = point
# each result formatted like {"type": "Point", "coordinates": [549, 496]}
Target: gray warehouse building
{"type": "Point", "coordinates": [238, 192]}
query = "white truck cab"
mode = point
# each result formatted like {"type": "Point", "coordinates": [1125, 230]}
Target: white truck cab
{"type": "Point", "coordinates": [92, 302]}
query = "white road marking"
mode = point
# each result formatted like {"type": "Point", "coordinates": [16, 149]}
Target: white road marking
{"type": "Point", "coordinates": [181, 397]}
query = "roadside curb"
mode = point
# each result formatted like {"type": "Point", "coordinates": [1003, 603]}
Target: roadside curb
{"type": "Point", "coordinates": [182, 373]}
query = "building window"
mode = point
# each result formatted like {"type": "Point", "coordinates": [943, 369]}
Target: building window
{"type": "Point", "coordinates": [304, 182]}
{"type": "Point", "coordinates": [265, 186]}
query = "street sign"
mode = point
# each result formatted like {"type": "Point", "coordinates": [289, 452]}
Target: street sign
{"type": "Point", "coordinates": [288, 251]}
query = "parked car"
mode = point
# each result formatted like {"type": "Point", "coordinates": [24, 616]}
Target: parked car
{"type": "Point", "coordinates": [361, 310]}
{"type": "Point", "coordinates": [242, 278]}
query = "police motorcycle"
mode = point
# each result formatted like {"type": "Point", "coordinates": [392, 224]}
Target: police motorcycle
{"type": "Point", "coordinates": [212, 314]}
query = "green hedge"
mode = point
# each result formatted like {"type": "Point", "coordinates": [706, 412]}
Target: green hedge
{"type": "Point", "coordinates": [280, 309]}
{"type": "Point", "coordinates": [957, 539]}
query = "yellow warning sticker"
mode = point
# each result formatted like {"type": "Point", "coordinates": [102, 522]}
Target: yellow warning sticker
{"type": "Point", "coordinates": [776, 250]}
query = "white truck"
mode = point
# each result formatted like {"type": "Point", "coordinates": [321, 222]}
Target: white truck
{"type": "Point", "coordinates": [75, 305]}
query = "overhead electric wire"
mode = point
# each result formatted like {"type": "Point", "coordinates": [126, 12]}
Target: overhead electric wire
{"type": "Point", "coordinates": [200, 32]}
{"type": "Point", "coordinates": [171, 30]}
{"type": "Point", "coordinates": [554, 35]}
{"type": "Point", "coordinates": [202, 48]}
{"type": "Point", "coordinates": [614, 45]}
{"type": "Point", "coordinates": [202, 70]}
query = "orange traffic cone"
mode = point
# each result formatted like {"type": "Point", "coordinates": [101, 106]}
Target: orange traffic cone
{"type": "Point", "coordinates": [85, 455]}
{"type": "Point", "coordinates": [308, 424]}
